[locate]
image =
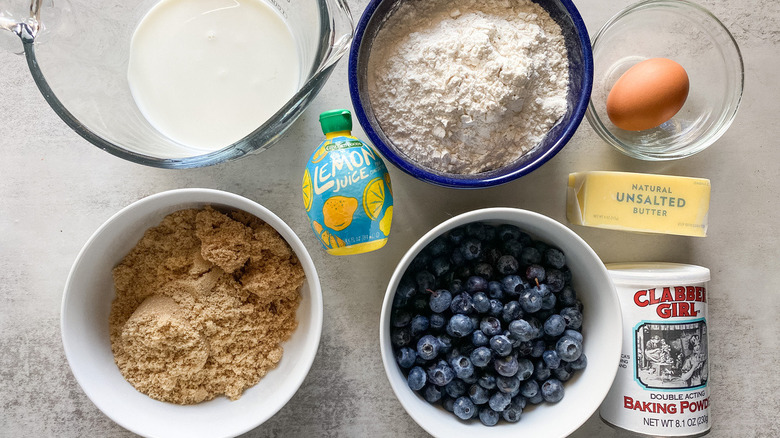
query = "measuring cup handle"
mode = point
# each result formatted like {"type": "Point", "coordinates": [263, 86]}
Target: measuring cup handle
{"type": "Point", "coordinates": [25, 29]}
{"type": "Point", "coordinates": [342, 31]}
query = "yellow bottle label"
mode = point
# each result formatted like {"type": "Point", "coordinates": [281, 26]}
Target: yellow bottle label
{"type": "Point", "coordinates": [639, 202]}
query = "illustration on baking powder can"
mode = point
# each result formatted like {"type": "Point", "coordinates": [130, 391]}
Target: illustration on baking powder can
{"type": "Point", "coordinates": [661, 387]}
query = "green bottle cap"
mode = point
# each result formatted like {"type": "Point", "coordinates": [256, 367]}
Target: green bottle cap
{"type": "Point", "coordinates": [336, 120]}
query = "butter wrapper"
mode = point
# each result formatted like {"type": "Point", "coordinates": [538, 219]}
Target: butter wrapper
{"type": "Point", "coordinates": [639, 202]}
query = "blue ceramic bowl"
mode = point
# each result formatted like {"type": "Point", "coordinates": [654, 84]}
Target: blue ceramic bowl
{"type": "Point", "coordinates": [580, 83]}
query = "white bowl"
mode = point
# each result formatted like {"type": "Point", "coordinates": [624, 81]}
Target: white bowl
{"type": "Point", "coordinates": [86, 304]}
{"type": "Point", "coordinates": [602, 329]}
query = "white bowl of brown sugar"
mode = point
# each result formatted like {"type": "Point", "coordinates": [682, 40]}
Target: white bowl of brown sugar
{"type": "Point", "coordinates": [192, 313]}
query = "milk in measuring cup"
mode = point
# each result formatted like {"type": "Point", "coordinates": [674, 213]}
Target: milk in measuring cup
{"type": "Point", "coordinates": [207, 73]}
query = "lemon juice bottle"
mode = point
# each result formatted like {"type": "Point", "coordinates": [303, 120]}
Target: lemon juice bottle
{"type": "Point", "coordinates": [346, 190]}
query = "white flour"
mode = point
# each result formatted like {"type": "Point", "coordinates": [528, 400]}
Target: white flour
{"type": "Point", "coordinates": [467, 86]}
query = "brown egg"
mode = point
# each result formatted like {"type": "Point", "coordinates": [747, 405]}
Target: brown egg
{"type": "Point", "coordinates": [648, 94]}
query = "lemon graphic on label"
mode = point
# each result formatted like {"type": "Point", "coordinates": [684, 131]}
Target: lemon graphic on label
{"type": "Point", "coordinates": [307, 190]}
{"type": "Point", "coordinates": [337, 212]}
{"type": "Point", "coordinates": [384, 224]}
{"type": "Point", "coordinates": [319, 154]}
{"type": "Point", "coordinates": [374, 198]}
{"type": "Point", "coordinates": [329, 240]}
{"type": "Point", "coordinates": [387, 181]}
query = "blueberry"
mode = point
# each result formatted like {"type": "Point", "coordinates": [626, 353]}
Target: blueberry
{"type": "Point", "coordinates": [567, 297]}
{"type": "Point", "coordinates": [535, 274]}
{"type": "Point", "coordinates": [437, 321]}
{"type": "Point", "coordinates": [488, 417]}
{"type": "Point", "coordinates": [456, 286]}
{"type": "Point", "coordinates": [440, 300]}
{"type": "Point", "coordinates": [478, 394]}
{"type": "Point", "coordinates": [471, 249]}
{"type": "Point", "coordinates": [496, 308]}
{"type": "Point", "coordinates": [552, 390]}
{"type": "Point", "coordinates": [495, 290]}
{"type": "Point", "coordinates": [462, 366]}
{"type": "Point", "coordinates": [400, 318]}
{"type": "Point", "coordinates": [572, 316]}
{"type": "Point", "coordinates": [563, 373]}
{"type": "Point", "coordinates": [507, 232]}
{"type": "Point", "coordinates": [512, 285]}
{"type": "Point", "coordinates": [529, 388]}
{"type": "Point", "coordinates": [568, 348]}
{"type": "Point", "coordinates": [530, 300]}
{"type": "Point", "coordinates": [464, 408]}
{"type": "Point", "coordinates": [448, 403]}
{"type": "Point", "coordinates": [457, 236]}
{"type": "Point", "coordinates": [499, 401]}
{"type": "Point", "coordinates": [405, 357]}
{"type": "Point", "coordinates": [525, 369]}
{"type": "Point", "coordinates": [507, 265]}
{"type": "Point", "coordinates": [530, 256]}
{"type": "Point", "coordinates": [441, 373]}
{"type": "Point", "coordinates": [400, 337]}
{"type": "Point", "coordinates": [419, 325]}
{"type": "Point", "coordinates": [513, 248]}
{"type": "Point", "coordinates": [580, 363]}
{"type": "Point", "coordinates": [555, 258]}
{"type": "Point", "coordinates": [425, 281]}
{"type": "Point", "coordinates": [438, 247]}
{"type": "Point", "coordinates": [484, 271]}
{"type": "Point", "coordinates": [511, 311]}
{"type": "Point", "coordinates": [481, 356]}
{"type": "Point", "coordinates": [551, 359]}
{"type": "Point", "coordinates": [490, 326]}
{"type": "Point", "coordinates": [573, 333]}
{"type": "Point", "coordinates": [481, 302]}
{"type": "Point", "coordinates": [460, 326]}
{"type": "Point", "coordinates": [522, 330]}
{"type": "Point", "coordinates": [445, 343]}
{"type": "Point", "coordinates": [506, 366]}
{"type": "Point", "coordinates": [416, 378]}
{"type": "Point", "coordinates": [501, 345]}
{"type": "Point", "coordinates": [549, 301]}
{"type": "Point", "coordinates": [455, 388]}
{"type": "Point", "coordinates": [476, 284]}
{"type": "Point", "coordinates": [507, 384]}
{"type": "Point", "coordinates": [513, 411]}
{"type": "Point", "coordinates": [536, 399]}
{"type": "Point", "coordinates": [554, 326]}
{"type": "Point", "coordinates": [541, 372]}
{"type": "Point", "coordinates": [523, 349]}
{"type": "Point", "coordinates": [419, 304]}
{"type": "Point", "coordinates": [432, 393]}
{"type": "Point", "coordinates": [406, 288]}
{"type": "Point", "coordinates": [428, 347]}
{"type": "Point", "coordinates": [479, 339]}
{"type": "Point", "coordinates": [440, 266]}
{"type": "Point", "coordinates": [472, 379]}
{"type": "Point", "coordinates": [538, 348]}
{"type": "Point", "coordinates": [555, 280]}
{"type": "Point", "coordinates": [488, 381]}
{"type": "Point", "coordinates": [462, 304]}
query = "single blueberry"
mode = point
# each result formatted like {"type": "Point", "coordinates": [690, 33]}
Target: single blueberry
{"type": "Point", "coordinates": [530, 256]}
{"type": "Point", "coordinates": [507, 384]}
{"type": "Point", "coordinates": [580, 363]}
{"type": "Point", "coordinates": [480, 357]}
{"type": "Point", "coordinates": [460, 326]}
{"type": "Point", "coordinates": [524, 349]}
{"type": "Point", "coordinates": [525, 369]}
{"type": "Point", "coordinates": [437, 321]}
{"type": "Point", "coordinates": [484, 271]}
{"type": "Point", "coordinates": [440, 300]}
{"type": "Point", "coordinates": [445, 343]}
{"type": "Point", "coordinates": [541, 372]}
{"type": "Point", "coordinates": [428, 347]}
{"type": "Point", "coordinates": [511, 312]}
{"type": "Point", "coordinates": [501, 345]}
{"type": "Point", "coordinates": [464, 408]}
{"type": "Point", "coordinates": [488, 381]}
{"type": "Point", "coordinates": [538, 349]}
{"type": "Point", "coordinates": [552, 390]}
{"type": "Point", "coordinates": [554, 325]}
{"type": "Point", "coordinates": [513, 247]}
{"type": "Point", "coordinates": [572, 316]}
{"type": "Point", "coordinates": [567, 297]}
{"type": "Point", "coordinates": [462, 304]}
{"type": "Point", "coordinates": [400, 318]}
{"type": "Point", "coordinates": [535, 274]}
{"type": "Point", "coordinates": [416, 378]}
{"type": "Point", "coordinates": [568, 348]}
{"type": "Point", "coordinates": [530, 300]}
{"type": "Point", "coordinates": [478, 394]}
{"type": "Point", "coordinates": [479, 339]}
{"type": "Point", "coordinates": [506, 366]}
{"type": "Point", "coordinates": [536, 399]}
{"type": "Point", "coordinates": [471, 249]}
{"type": "Point", "coordinates": [456, 259]}
{"type": "Point", "coordinates": [506, 232]}
{"type": "Point", "coordinates": [457, 235]}
{"type": "Point", "coordinates": [481, 302]}
{"type": "Point", "coordinates": [472, 379]}
{"type": "Point", "coordinates": [440, 266]}
{"type": "Point", "coordinates": [555, 258]}
{"type": "Point", "coordinates": [441, 373]}
{"type": "Point", "coordinates": [455, 388]}
{"type": "Point", "coordinates": [488, 417]}
{"type": "Point", "coordinates": [406, 289]}
{"type": "Point", "coordinates": [490, 326]}
{"type": "Point", "coordinates": [573, 333]}
{"type": "Point", "coordinates": [507, 265]}
{"type": "Point", "coordinates": [432, 393]}
{"type": "Point", "coordinates": [425, 281]}
{"type": "Point", "coordinates": [512, 285]}
{"type": "Point", "coordinates": [555, 280]}
{"type": "Point", "coordinates": [462, 366]}
{"type": "Point", "coordinates": [438, 247]}
{"type": "Point", "coordinates": [448, 403]}
{"type": "Point", "coordinates": [549, 301]}
{"type": "Point", "coordinates": [522, 330]}
{"type": "Point", "coordinates": [406, 357]}
{"type": "Point", "coordinates": [400, 337]}
{"type": "Point", "coordinates": [476, 284]}
{"type": "Point", "coordinates": [496, 308]}
{"type": "Point", "coordinates": [563, 372]}
{"type": "Point", "coordinates": [513, 411]}
{"type": "Point", "coordinates": [495, 290]}
{"type": "Point", "coordinates": [499, 401]}
{"type": "Point", "coordinates": [529, 388]}
{"type": "Point", "coordinates": [551, 359]}
{"type": "Point", "coordinates": [419, 325]}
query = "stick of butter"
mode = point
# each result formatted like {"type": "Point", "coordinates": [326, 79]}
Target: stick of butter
{"type": "Point", "coordinates": [639, 202]}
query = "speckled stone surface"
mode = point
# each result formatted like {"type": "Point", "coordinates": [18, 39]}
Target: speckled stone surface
{"type": "Point", "coordinates": [56, 189]}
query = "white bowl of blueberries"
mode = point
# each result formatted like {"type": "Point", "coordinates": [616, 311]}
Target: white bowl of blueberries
{"type": "Point", "coordinates": [500, 322]}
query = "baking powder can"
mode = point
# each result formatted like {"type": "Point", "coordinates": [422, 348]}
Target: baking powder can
{"type": "Point", "coordinates": [661, 387]}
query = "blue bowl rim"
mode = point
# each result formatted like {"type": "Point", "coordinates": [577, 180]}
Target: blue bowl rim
{"type": "Point", "coordinates": [478, 180]}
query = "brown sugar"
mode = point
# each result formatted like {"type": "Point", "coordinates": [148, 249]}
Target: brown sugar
{"type": "Point", "coordinates": [203, 303]}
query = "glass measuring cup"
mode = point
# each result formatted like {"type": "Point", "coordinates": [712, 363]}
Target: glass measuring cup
{"type": "Point", "coordinates": [78, 50]}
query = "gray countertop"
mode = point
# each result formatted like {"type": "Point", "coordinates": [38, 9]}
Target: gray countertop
{"type": "Point", "coordinates": [57, 189]}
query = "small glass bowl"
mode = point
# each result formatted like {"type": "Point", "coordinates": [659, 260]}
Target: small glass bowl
{"type": "Point", "coordinates": [690, 35]}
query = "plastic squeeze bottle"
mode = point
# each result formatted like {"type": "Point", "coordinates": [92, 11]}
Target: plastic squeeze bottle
{"type": "Point", "coordinates": [346, 190]}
